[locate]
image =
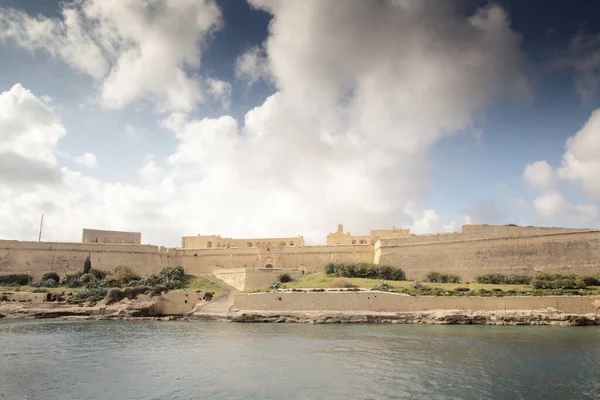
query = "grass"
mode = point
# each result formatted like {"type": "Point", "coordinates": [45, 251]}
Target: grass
{"type": "Point", "coordinates": [200, 283]}
{"type": "Point", "coordinates": [321, 280]}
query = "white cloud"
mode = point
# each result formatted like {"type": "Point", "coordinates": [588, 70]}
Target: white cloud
{"type": "Point", "coordinates": [88, 160]}
{"type": "Point", "coordinates": [581, 161]}
{"type": "Point", "coordinates": [581, 166]}
{"type": "Point", "coordinates": [135, 50]}
{"type": "Point", "coordinates": [540, 175]}
{"type": "Point", "coordinates": [362, 95]}
{"type": "Point", "coordinates": [252, 65]}
{"type": "Point", "coordinates": [29, 132]}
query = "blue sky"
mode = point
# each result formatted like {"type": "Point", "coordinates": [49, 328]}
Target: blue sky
{"type": "Point", "coordinates": [363, 113]}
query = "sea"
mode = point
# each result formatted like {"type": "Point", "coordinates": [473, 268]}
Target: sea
{"type": "Point", "coordinates": [51, 359]}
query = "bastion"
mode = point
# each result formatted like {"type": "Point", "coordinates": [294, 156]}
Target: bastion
{"type": "Point", "coordinates": [476, 249]}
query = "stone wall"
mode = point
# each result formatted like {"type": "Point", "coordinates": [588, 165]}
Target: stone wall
{"type": "Point", "coordinates": [574, 252]}
{"type": "Point", "coordinates": [394, 302]}
{"type": "Point", "coordinates": [35, 258]}
{"type": "Point", "coordinates": [250, 279]}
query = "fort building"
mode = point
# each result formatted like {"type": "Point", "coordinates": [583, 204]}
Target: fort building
{"type": "Point", "coordinates": [110, 237]}
{"type": "Point", "coordinates": [475, 250]}
{"type": "Point", "coordinates": [215, 241]}
{"type": "Point", "coordinates": [340, 237]}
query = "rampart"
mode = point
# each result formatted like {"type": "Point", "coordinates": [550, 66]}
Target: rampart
{"type": "Point", "coordinates": [472, 253]}
{"type": "Point", "coordinates": [35, 258]}
{"type": "Point", "coordinates": [373, 301]}
{"type": "Point", "coordinates": [477, 249]}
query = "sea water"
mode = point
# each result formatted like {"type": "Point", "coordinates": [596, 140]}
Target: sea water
{"type": "Point", "coordinates": [43, 359]}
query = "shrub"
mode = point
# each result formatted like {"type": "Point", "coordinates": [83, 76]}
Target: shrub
{"type": "Point", "coordinates": [113, 295]}
{"type": "Point", "coordinates": [72, 280]}
{"type": "Point", "coordinates": [342, 283]}
{"type": "Point", "coordinates": [365, 270]}
{"type": "Point", "coordinates": [87, 278]}
{"type": "Point", "coordinates": [557, 281]}
{"type": "Point", "coordinates": [591, 280]}
{"type": "Point", "coordinates": [208, 296]}
{"type": "Point", "coordinates": [15, 279]}
{"type": "Point", "coordinates": [170, 277]}
{"type": "Point", "coordinates": [504, 279]}
{"type": "Point", "coordinates": [45, 283]}
{"type": "Point", "coordinates": [436, 277]}
{"type": "Point", "coordinates": [51, 275]}
{"type": "Point", "coordinates": [462, 289]}
{"type": "Point", "coordinates": [284, 277]}
{"type": "Point", "coordinates": [87, 265]}
{"type": "Point", "coordinates": [98, 274]}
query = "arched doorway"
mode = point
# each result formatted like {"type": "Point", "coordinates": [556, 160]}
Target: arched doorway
{"type": "Point", "coordinates": [269, 266]}
{"type": "Point", "coordinates": [209, 244]}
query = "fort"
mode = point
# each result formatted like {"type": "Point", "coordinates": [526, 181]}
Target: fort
{"type": "Point", "coordinates": [476, 249]}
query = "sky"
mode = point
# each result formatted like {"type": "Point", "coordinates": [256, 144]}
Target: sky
{"type": "Point", "coordinates": [268, 118]}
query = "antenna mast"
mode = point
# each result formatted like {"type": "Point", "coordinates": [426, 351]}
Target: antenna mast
{"type": "Point", "coordinates": [41, 223]}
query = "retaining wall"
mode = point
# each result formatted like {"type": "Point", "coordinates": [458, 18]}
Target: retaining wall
{"type": "Point", "coordinates": [373, 301]}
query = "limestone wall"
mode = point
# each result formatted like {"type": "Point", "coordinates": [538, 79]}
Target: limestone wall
{"type": "Point", "coordinates": [393, 302]}
{"type": "Point", "coordinates": [575, 252]}
{"type": "Point", "coordinates": [249, 278]}
{"type": "Point", "coordinates": [35, 258]}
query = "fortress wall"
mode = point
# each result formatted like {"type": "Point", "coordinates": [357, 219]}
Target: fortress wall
{"type": "Point", "coordinates": [307, 258]}
{"type": "Point", "coordinates": [35, 258]}
{"type": "Point", "coordinates": [372, 301]}
{"type": "Point", "coordinates": [250, 279]}
{"type": "Point", "coordinates": [576, 252]}
{"type": "Point", "coordinates": [475, 232]}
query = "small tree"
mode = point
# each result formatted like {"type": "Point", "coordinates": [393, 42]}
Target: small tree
{"type": "Point", "coordinates": [87, 265]}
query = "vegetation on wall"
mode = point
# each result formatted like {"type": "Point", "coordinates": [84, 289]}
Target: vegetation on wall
{"type": "Point", "coordinates": [365, 270]}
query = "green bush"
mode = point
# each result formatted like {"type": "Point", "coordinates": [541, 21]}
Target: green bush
{"type": "Point", "coordinates": [15, 279]}
{"type": "Point", "coordinates": [98, 274]}
{"type": "Point", "coordinates": [557, 281]}
{"type": "Point", "coordinates": [87, 265]}
{"type": "Point", "coordinates": [284, 277]}
{"type": "Point", "coordinates": [365, 270]}
{"type": "Point", "coordinates": [436, 277]}
{"type": "Point", "coordinates": [591, 280]}
{"type": "Point", "coordinates": [170, 277]}
{"type": "Point", "coordinates": [504, 279]}
{"type": "Point", "coordinates": [208, 296]}
{"type": "Point", "coordinates": [158, 290]}
{"type": "Point", "coordinates": [51, 275]}
{"type": "Point", "coordinates": [72, 280]}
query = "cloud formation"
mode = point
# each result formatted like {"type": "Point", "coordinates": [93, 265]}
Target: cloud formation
{"type": "Point", "coordinates": [134, 50]}
{"type": "Point", "coordinates": [580, 166]}
{"type": "Point", "coordinates": [363, 92]}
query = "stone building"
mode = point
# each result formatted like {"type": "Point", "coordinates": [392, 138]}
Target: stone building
{"type": "Point", "coordinates": [110, 237]}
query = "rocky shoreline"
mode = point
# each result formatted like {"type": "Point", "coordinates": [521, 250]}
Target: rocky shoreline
{"type": "Point", "coordinates": [142, 311]}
